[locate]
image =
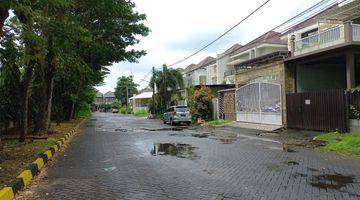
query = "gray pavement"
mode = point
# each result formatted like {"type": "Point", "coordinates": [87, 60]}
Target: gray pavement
{"type": "Point", "coordinates": [121, 157]}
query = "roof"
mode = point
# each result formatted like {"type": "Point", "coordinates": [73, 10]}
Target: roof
{"type": "Point", "coordinates": [230, 50]}
{"type": "Point", "coordinates": [270, 37]}
{"type": "Point", "coordinates": [205, 62]}
{"type": "Point", "coordinates": [147, 89]}
{"type": "Point", "coordinates": [190, 68]}
{"type": "Point", "coordinates": [144, 95]}
{"type": "Point", "coordinates": [109, 94]}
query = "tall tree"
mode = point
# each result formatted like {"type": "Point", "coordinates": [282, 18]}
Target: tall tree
{"type": "Point", "coordinates": [167, 82]}
{"type": "Point", "coordinates": [125, 88]}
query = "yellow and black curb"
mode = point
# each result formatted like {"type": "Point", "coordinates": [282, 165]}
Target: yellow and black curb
{"type": "Point", "coordinates": [33, 169]}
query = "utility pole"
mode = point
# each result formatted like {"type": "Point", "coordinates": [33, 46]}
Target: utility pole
{"type": "Point", "coordinates": [127, 97]}
{"type": "Point", "coordinates": [153, 96]}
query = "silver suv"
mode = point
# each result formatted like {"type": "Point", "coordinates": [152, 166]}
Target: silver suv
{"type": "Point", "coordinates": [177, 114]}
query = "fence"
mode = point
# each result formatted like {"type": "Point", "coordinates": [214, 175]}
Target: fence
{"type": "Point", "coordinates": [321, 110]}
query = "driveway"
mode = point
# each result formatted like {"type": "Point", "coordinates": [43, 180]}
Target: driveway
{"type": "Point", "coordinates": [122, 157]}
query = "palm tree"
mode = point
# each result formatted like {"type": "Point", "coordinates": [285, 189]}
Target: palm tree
{"type": "Point", "coordinates": [167, 82]}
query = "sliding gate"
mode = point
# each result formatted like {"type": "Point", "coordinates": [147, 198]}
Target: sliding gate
{"type": "Point", "coordinates": [322, 110]}
{"type": "Point", "coordinates": [259, 102]}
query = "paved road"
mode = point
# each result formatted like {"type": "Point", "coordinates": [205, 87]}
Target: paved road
{"type": "Point", "coordinates": [120, 157]}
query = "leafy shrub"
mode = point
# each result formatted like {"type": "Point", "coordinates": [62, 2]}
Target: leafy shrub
{"type": "Point", "coordinates": [354, 112]}
{"type": "Point", "coordinates": [125, 110]}
{"type": "Point", "coordinates": [84, 112]}
{"type": "Point", "coordinates": [201, 103]}
{"type": "Point", "coordinates": [141, 113]}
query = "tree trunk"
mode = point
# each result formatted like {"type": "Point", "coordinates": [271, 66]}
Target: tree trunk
{"type": "Point", "coordinates": [44, 119]}
{"type": "Point", "coordinates": [26, 96]}
{"type": "Point", "coordinates": [4, 14]}
{"type": "Point", "coordinates": [72, 111]}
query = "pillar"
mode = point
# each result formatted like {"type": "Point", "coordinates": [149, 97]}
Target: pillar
{"type": "Point", "coordinates": [350, 70]}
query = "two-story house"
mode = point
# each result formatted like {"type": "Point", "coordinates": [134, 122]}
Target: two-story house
{"type": "Point", "coordinates": [225, 73]}
{"type": "Point", "coordinates": [325, 59]}
{"type": "Point", "coordinates": [259, 80]}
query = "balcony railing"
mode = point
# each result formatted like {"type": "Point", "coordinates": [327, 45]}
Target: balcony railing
{"type": "Point", "coordinates": [229, 73]}
{"type": "Point", "coordinates": [356, 32]}
{"type": "Point", "coordinates": [327, 38]}
{"type": "Point", "coordinates": [330, 36]}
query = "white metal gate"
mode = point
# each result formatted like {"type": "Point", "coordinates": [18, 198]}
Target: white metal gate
{"type": "Point", "coordinates": [259, 103]}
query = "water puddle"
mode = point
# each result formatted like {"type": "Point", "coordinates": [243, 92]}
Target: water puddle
{"type": "Point", "coordinates": [334, 181]}
{"type": "Point", "coordinates": [331, 181]}
{"type": "Point", "coordinates": [165, 129]}
{"type": "Point", "coordinates": [121, 130]}
{"type": "Point", "coordinates": [179, 150]}
{"type": "Point", "coordinates": [227, 140]}
{"type": "Point", "coordinates": [109, 169]}
{"type": "Point", "coordinates": [291, 163]}
{"type": "Point", "coordinates": [201, 135]}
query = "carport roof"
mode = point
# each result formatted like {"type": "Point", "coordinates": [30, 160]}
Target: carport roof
{"type": "Point", "coordinates": [343, 13]}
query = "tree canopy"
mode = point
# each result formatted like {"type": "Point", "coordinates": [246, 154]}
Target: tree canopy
{"type": "Point", "coordinates": [53, 53]}
{"type": "Point", "coordinates": [125, 88]}
{"type": "Point", "coordinates": [167, 82]}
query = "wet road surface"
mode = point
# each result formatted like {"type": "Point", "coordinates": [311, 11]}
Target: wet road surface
{"type": "Point", "coordinates": [122, 157]}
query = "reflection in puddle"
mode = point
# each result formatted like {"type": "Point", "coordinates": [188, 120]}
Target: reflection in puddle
{"type": "Point", "coordinates": [327, 181]}
{"type": "Point", "coordinates": [227, 140]}
{"type": "Point", "coordinates": [292, 162]}
{"type": "Point", "coordinates": [201, 135]}
{"type": "Point", "coordinates": [180, 128]}
{"type": "Point", "coordinates": [331, 181]}
{"type": "Point", "coordinates": [174, 149]}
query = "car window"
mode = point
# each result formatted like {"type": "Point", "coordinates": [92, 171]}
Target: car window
{"type": "Point", "coordinates": [182, 109]}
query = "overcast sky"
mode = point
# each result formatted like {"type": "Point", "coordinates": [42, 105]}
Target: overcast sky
{"type": "Point", "coordinates": [180, 27]}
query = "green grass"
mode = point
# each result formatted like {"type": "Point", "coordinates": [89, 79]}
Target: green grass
{"type": "Point", "coordinates": [342, 143]}
{"type": "Point", "coordinates": [218, 122]}
{"type": "Point", "coordinates": [141, 113]}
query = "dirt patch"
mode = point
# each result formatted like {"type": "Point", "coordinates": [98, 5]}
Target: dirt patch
{"type": "Point", "coordinates": [16, 156]}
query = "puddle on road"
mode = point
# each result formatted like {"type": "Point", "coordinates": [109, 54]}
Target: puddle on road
{"type": "Point", "coordinates": [201, 135]}
{"type": "Point", "coordinates": [227, 140]}
{"type": "Point", "coordinates": [331, 181]}
{"type": "Point", "coordinates": [165, 129]}
{"type": "Point", "coordinates": [291, 162]}
{"type": "Point", "coordinates": [179, 150]}
{"type": "Point", "coordinates": [334, 181]}
{"type": "Point", "coordinates": [121, 130]}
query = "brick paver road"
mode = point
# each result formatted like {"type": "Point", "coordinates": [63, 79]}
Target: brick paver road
{"type": "Point", "coordinates": [119, 157]}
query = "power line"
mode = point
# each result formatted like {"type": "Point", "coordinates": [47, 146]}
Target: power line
{"type": "Point", "coordinates": [222, 35]}
{"type": "Point", "coordinates": [287, 28]}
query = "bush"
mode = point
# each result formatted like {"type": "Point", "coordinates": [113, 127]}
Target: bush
{"type": "Point", "coordinates": [201, 103]}
{"type": "Point", "coordinates": [125, 110]}
{"type": "Point", "coordinates": [354, 112]}
{"type": "Point", "coordinates": [141, 113]}
{"type": "Point", "coordinates": [84, 112]}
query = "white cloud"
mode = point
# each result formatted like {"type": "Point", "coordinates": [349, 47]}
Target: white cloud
{"type": "Point", "coordinates": [179, 27]}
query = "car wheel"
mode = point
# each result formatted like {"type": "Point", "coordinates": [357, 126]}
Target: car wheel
{"type": "Point", "coordinates": [188, 123]}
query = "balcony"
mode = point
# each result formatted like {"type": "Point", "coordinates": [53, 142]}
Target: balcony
{"type": "Point", "coordinates": [329, 38]}
{"type": "Point", "coordinates": [229, 73]}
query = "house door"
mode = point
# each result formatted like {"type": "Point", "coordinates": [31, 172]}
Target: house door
{"type": "Point", "coordinates": [259, 102]}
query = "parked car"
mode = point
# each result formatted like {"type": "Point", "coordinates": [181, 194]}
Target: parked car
{"type": "Point", "coordinates": [115, 110]}
{"type": "Point", "coordinates": [176, 115]}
